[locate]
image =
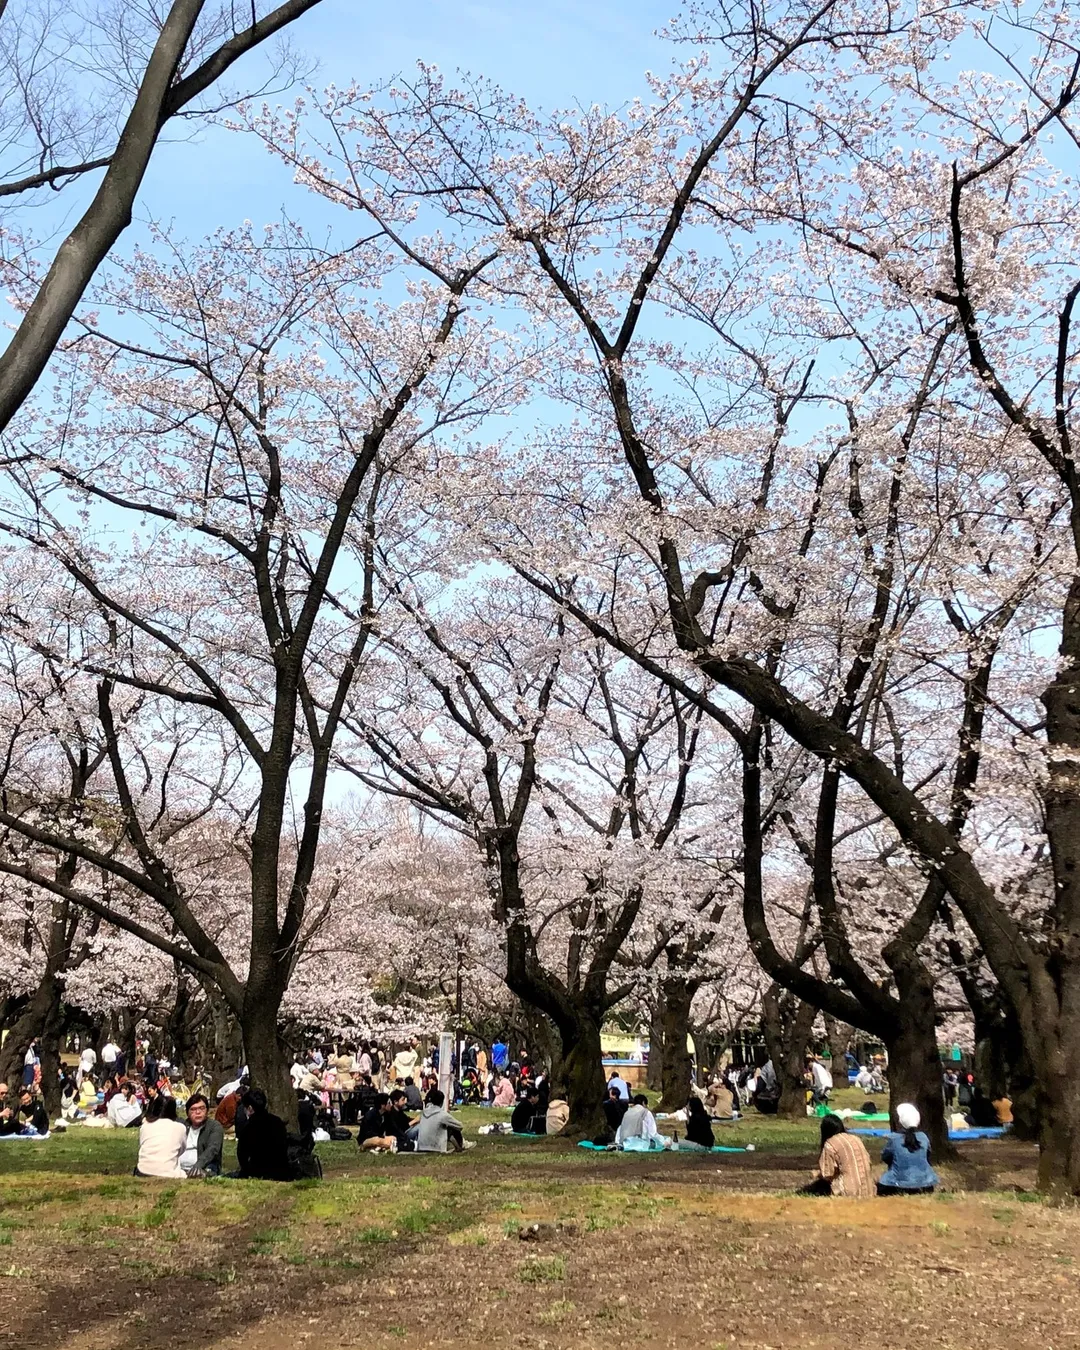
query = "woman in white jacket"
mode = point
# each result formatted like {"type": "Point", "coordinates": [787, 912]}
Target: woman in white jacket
{"type": "Point", "coordinates": [162, 1139]}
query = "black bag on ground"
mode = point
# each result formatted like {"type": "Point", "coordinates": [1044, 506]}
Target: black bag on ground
{"type": "Point", "coordinates": [304, 1162]}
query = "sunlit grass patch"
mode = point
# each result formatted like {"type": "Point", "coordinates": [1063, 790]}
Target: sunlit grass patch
{"type": "Point", "coordinates": [543, 1270]}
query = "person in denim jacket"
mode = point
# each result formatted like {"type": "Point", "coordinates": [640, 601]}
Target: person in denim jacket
{"type": "Point", "coordinates": [907, 1156]}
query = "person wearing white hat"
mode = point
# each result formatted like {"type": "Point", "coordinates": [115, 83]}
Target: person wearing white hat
{"type": "Point", "coordinates": [906, 1155]}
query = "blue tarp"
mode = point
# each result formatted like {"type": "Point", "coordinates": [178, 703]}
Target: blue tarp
{"type": "Point", "coordinates": [988, 1132]}
{"type": "Point", "coordinates": [716, 1148]}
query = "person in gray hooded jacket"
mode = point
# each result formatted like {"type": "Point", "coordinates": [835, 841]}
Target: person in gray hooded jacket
{"type": "Point", "coordinates": [437, 1129]}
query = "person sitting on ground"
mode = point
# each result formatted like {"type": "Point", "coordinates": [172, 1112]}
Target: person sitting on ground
{"type": "Point", "coordinates": [622, 1086]}
{"type": "Point", "coordinates": [437, 1130]}
{"type": "Point", "coordinates": [205, 1140]}
{"type": "Point", "coordinates": [821, 1081]}
{"type": "Point", "coordinates": [375, 1132]}
{"type": "Point", "coordinates": [413, 1099]}
{"type": "Point", "coordinates": [306, 1116]}
{"type": "Point", "coordinates": [161, 1140]}
{"type": "Point", "coordinates": [33, 1118]}
{"type": "Point", "coordinates": [125, 1109]}
{"type": "Point", "coordinates": [69, 1100]}
{"type": "Point", "coordinates": [9, 1114]}
{"type": "Point", "coordinates": [503, 1091]}
{"type": "Point", "coordinates": [556, 1116]}
{"type": "Point", "coordinates": [907, 1156]}
{"type": "Point", "coordinates": [1003, 1108]}
{"type": "Point", "coordinates": [262, 1147]}
{"type": "Point", "coordinates": [699, 1135]}
{"type": "Point", "coordinates": [88, 1097]}
{"type": "Point", "coordinates": [229, 1105]}
{"type": "Point", "coordinates": [469, 1088]}
{"type": "Point", "coordinates": [719, 1100]}
{"type": "Point", "coordinates": [981, 1113]}
{"type": "Point", "coordinates": [528, 1117]}
{"type": "Point", "coordinates": [639, 1123]}
{"type": "Point", "coordinates": [864, 1079]}
{"type": "Point", "coordinates": [844, 1164]}
{"type": "Point", "coordinates": [615, 1107]}
{"type": "Point", "coordinates": [105, 1096]}
{"type": "Point", "coordinates": [399, 1121]}
{"type": "Point", "coordinates": [766, 1089]}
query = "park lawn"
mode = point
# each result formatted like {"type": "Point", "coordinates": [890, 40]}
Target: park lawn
{"type": "Point", "coordinates": [661, 1250]}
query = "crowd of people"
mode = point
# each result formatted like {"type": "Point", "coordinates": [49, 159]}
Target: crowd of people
{"type": "Point", "coordinates": [393, 1102]}
{"type": "Point", "coordinates": [349, 1077]}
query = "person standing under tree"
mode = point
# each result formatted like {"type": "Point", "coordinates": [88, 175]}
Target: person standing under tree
{"type": "Point", "coordinates": [405, 1062]}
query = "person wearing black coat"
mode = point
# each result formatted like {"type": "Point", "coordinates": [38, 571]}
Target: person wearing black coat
{"type": "Point", "coordinates": [262, 1147]}
{"type": "Point", "coordinates": [698, 1126]}
{"type": "Point", "coordinates": [33, 1113]}
{"type": "Point", "coordinates": [527, 1117]}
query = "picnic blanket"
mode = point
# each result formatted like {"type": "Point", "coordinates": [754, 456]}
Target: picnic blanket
{"type": "Point", "coordinates": [987, 1132]}
{"type": "Point", "coordinates": [604, 1148]}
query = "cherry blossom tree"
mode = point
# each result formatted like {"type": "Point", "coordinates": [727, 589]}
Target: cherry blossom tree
{"type": "Point", "coordinates": [183, 51]}
{"type": "Point", "coordinates": [257, 434]}
{"type": "Point", "coordinates": [939, 501]}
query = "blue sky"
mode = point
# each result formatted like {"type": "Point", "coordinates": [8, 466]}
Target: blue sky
{"type": "Point", "coordinates": [552, 55]}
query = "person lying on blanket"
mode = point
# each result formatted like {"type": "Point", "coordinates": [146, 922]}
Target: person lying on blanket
{"type": "Point", "coordinates": [639, 1123]}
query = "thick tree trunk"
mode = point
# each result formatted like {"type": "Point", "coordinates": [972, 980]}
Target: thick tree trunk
{"type": "Point", "coordinates": [267, 1061]}
{"type": "Point", "coordinates": [49, 1051]}
{"type": "Point", "coordinates": [41, 1020]}
{"type": "Point", "coordinates": [178, 1030]}
{"type": "Point", "coordinates": [787, 1023]}
{"type": "Point", "coordinates": [128, 1022]}
{"type": "Point", "coordinates": [1059, 1130]}
{"type": "Point", "coordinates": [654, 1072]}
{"type": "Point", "coordinates": [581, 1077]}
{"type": "Point", "coordinates": [914, 1065]}
{"type": "Point", "coordinates": [839, 1036]}
{"type": "Point", "coordinates": [677, 1068]}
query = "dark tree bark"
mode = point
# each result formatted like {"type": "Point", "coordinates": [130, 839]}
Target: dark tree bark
{"type": "Point", "coordinates": [787, 1022]}
{"type": "Point", "coordinates": [839, 1035]}
{"type": "Point", "coordinates": [267, 1058]}
{"type": "Point", "coordinates": [678, 1067]}
{"type": "Point", "coordinates": [580, 1079]}
{"type": "Point", "coordinates": [160, 96]}
{"type": "Point", "coordinates": [915, 1073]}
{"type": "Point", "coordinates": [654, 1070]}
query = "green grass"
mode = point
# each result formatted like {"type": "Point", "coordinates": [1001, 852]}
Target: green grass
{"type": "Point", "coordinates": [79, 1187]}
{"type": "Point", "coordinates": [543, 1270]}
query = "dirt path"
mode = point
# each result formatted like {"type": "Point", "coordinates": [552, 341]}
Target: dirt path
{"type": "Point", "coordinates": [653, 1258]}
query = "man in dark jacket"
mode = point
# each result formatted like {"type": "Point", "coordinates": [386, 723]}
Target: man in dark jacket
{"type": "Point", "coordinates": [527, 1117]}
{"type": "Point", "coordinates": [413, 1099]}
{"type": "Point", "coordinates": [399, 1121]}
{"type": "Point", "coordinates": [614, 1109]}
{"type": "Point", "coordinates": [376, 1126]}
{"type": "Point", "coordinates": [262, 1147]}
{"type": "Point", "coordinates": [32, 1112]}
